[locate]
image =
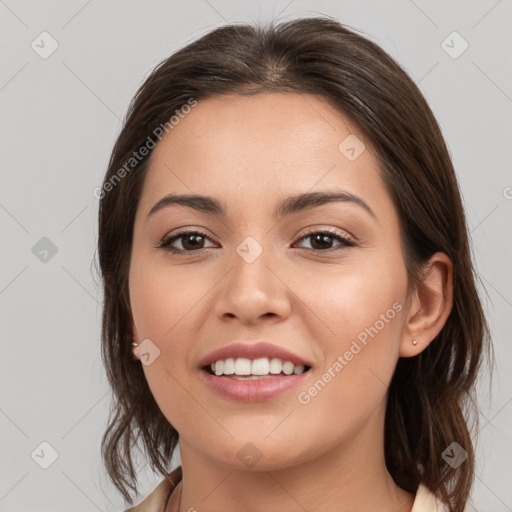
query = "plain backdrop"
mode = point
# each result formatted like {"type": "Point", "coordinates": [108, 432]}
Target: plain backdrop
{"type": "Point", "coordinates": [60, 115]}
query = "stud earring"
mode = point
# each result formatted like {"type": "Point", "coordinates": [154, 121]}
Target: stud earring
{"type": "Point", "coordinates": [134, 355]}
{"type": "Point", "coordinates": [414, 342]}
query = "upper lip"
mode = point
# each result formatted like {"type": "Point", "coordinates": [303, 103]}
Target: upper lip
{"type": "Point", "coordinates": [252, 351]}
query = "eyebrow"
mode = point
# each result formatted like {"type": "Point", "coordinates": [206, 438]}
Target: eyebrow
{"type": "Point", "coordinates": [288, 206]}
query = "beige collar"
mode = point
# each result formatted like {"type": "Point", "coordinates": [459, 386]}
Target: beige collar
{"type": "Point", "coordinates": [156, 501]}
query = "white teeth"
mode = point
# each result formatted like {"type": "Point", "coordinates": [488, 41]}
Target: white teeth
{"type": "Point", "coordinates": [229, 366]}
{"type": "Point", "coordinates": [256, 367]}
{"type": "Point", "coordinates": [260, 366]}
{"type": "Point", "coordinates": [219, 367]}
{"type": "Point", "coordinates": [276, 365]}
{"type": "Point", "coordinates": [298, 369]}
{"type": "Point", "coordinates": [242, 366]}
{"type": "Point", "coordinates": [288, 368]}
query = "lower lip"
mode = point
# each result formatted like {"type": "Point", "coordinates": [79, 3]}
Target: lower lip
{"type": "Point", "coordinates": [252, 390]}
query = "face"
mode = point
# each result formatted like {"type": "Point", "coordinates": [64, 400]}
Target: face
{"type": "Point", "coordinates": [326, 282]}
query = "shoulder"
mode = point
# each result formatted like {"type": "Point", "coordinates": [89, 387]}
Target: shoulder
{"type": "Point", "coordinates": [158, 497]}
{"type": "Point", "coordinates": [426, 501]}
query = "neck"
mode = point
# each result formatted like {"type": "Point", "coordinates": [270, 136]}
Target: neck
{"type": "Point", "coordinates": [352, 477]}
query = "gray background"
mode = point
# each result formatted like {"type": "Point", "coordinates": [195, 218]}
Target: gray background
{"type": "Point", "coordinates": [60, 117]}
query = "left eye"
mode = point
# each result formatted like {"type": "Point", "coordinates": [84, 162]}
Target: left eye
{"type": "Point", "coordinates": [321, 239]}
{"type": "Point", "coordinates": [192, 240]}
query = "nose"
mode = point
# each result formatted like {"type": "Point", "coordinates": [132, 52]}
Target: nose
{"type": "Point", "coordinates": [252, 290]}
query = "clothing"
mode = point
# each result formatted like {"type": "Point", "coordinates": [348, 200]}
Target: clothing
{"type": "Point", "coordinates": [156, 501]}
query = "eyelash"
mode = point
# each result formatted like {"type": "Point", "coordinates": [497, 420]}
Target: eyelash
{"type": "Point", "coordinates": [166, 241]}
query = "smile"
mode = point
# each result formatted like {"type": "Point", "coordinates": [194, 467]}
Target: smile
{"type": "Point", "coordinates": [243, 380]}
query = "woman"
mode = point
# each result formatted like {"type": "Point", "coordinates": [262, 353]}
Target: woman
{"type": "Point", "coordinates": [288, 286]}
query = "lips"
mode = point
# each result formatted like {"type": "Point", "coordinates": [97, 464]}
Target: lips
{"type": "Point", "coordinates": [265, 388]}
{"type": "Point", "coordinates": [252, 351]}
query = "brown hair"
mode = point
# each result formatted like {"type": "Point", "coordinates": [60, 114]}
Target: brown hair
{"type": "Point", "coordinates": [429, 394]}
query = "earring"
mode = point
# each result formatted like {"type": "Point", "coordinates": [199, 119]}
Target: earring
{"type": "Point", "coordinates": [414, 342]}
{"type": "Point", "coordinates": [135, 344]}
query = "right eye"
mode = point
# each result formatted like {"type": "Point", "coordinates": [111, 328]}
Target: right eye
{"type": "Point", "coordinates": [192, 240]}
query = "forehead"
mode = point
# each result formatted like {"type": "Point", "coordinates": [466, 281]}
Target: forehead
{"type": "Point", "coordinates": [250, 148]}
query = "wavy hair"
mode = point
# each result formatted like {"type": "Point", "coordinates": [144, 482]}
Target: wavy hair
{"type": "Point", "coordinates": [431, 395]}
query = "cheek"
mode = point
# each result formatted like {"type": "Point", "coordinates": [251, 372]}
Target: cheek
{"type": "Point", "coordinates": [161, 301]}
{"type": "Point", "coordinates": [167, 307]}
{"type": "Point", "coordinates": [163, 307]}
{"type": "Point", "coordinates": [350, 300]}
{"type": "Point", "coordinates": [361, 313]}
{"type": "Point", "coordinates": [355, 315]}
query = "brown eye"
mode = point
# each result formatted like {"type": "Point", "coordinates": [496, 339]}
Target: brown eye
{"type": "Point", "coordinates": [190, 241]}
{"type": "Point", "coordinates": [321, 241]}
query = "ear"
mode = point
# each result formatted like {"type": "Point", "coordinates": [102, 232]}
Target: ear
{"type": "Point", "coordinates": [430, 305]}
{"type": "Point", "coordinates": [135, 350]}
{"type": "Point", "coordinates": [135, 333]}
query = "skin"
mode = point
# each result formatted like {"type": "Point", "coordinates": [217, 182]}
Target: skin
{"type": "Point", "coordinates": [251, 152]}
